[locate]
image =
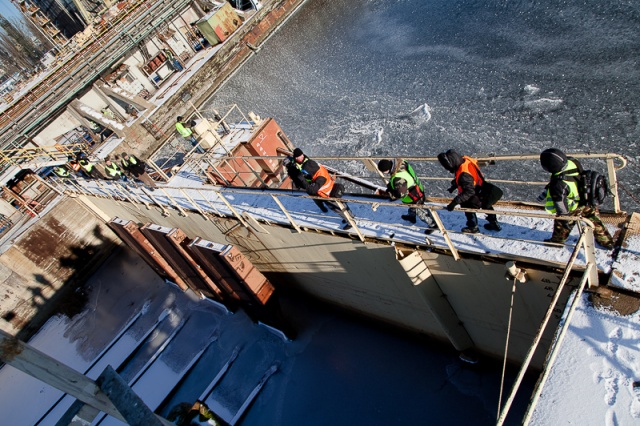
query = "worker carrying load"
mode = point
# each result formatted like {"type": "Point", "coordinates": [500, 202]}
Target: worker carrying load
{"type": "Point", "coordinates": [474, 192]}
{"type": "Point", "coordinates": [186, 132]}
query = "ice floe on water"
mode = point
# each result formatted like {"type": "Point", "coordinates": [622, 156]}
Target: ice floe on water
{"type": "Point", "coordinates": [531, 89]}
{"type": "Point", "coordinates": [544, 105]}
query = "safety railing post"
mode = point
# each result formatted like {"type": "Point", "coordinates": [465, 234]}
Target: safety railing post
{"type": "Point", "coordinates": [158, 170]}
{"type": "Point", "coordinates": [349, 218]}
{"type": "Point", "coordinates": [564, 327]}
{"type": "Point", "coordinates": [214, 208]}
{"type": "Point", "coordinates": [139, 199]}
{"type": "Point", "coordinates": [445, 234]}
{"type": "Point", "coordinates": [255, 173]}
{"type": "Point", "coordinates": [174, 202]}
{"type": "Point", "coordinates": [613, 184]}
{"type": "Point", "coordinates": [541, 329]}
{"type": "Point", "coordinates": [194, 204]}
{"type": "Point", "coordinates": [233, 210]}
{"type": "Point", "coordinates": [286, 213]}
{"type": "Point", "coordinates": [165, 212]}
{"type": "Point", "coordinates": [589, 251]}
{"type": "Point", "coordinates": [125, 195]}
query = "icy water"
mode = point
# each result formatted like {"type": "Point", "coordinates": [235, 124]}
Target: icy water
{"type": "Point", "coordinates": [414, 78]}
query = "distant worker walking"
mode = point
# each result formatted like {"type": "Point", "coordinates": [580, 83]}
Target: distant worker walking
{"type": "Point", "coordinates": [562, 197]}
{"type": "Point", "coordinates": [88, 168]}
{"type": "Point", "coordinates": [136, 167]}
{"type": "Point", "coordinates": [316, 180]}
{"type": "Point", "coordinates": [187, 133]}
{"type": "Point", "coordinates": [61, 171]}
{"type": "Point", "coordinates": [474, 192]}
{"type": "Point", "coordinates": [405, 185]}
{"type": "Point", "coordinates": [114, 172]}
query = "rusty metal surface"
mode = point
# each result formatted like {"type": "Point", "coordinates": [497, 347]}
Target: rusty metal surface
{"type": "Point", "coordinates": [157, 235]}
{"type": "Point", "coordinates": [239, 170]}
{"type": "Point", "coordinates": [207, 254]}
{"type": "Point", "coordinates": [254, 282]}
{"type": "Point", "coordinates": [180, 241]}
{"type": "Point", "coordinates": [128, 231]}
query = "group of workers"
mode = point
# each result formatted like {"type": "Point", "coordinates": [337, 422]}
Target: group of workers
{"type": "Point", "coordinates": [117, 169]}
{"type": "Point", "coordinates": [561, 195]}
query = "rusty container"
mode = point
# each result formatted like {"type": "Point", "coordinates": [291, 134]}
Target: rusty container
{"type": "Point", "coordinates": [157, 235]}
{"type": "Point", "coordinates": [180, 243]}
{"type": "Point", "coordinates": [129, 233]}
{"type": "Point", "coordinates": [253, 281]}
{"type": "Point", "coordinates": [207, 254]}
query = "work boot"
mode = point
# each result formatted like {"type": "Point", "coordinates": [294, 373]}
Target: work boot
{"type": "Point", "coordinates": [347, 226]}
{"type": "Point", "coordinates": [409, 218]}
{"type": "Point", "coordinates": [493, 226]}
{"type": "Point", "coordinates": [324, 209]}
{"type": "Point", "coordinates": [470, 230]}
{"type": "Point", "coordinates": [430, 230]}
{"type": "Point", "coordinates": [606, 244]}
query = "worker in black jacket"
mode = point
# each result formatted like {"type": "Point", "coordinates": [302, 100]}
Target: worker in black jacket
{"type": "Point", "coordinates": [474, 192]}
{"type": "Point", "coordinates": [316, 181]}
{"type": "Point", "coordinates": [136, 167]}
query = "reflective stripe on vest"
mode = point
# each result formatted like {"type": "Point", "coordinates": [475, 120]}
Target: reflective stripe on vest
{"type": "Point", "coordinates": [86, 165]}
{"type": "Point", "coordinates": [325, 190]}
{"type": "Point", "coordinates": [184, 132]}
{"type": "Point", "coordinates": [305, 173]}
{"type": "Point", "coordinates": [61, 171]}
{"type": "Point", "coordinates": [573, 198]}
{"type": "Point", "coordinates": [113, 170]}
{"type": "Point", "coordinates": [469, 165]}
{"type": "Point", "coordinates": [404, 174]}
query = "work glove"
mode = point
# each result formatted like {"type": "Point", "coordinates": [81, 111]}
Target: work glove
{"type": "Point", "coordinates": [543, 196]}
{"type": "Point", "coordinates": [452, 205]}
{"type": "Point", "coordinates": [286, 162]}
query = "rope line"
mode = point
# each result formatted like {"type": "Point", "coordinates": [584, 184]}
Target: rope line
{"type": "Point", "coordinates": [506, 348]}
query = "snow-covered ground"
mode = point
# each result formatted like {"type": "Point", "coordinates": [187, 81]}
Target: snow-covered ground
{"type": "Point", "coordinates": [596, 378]}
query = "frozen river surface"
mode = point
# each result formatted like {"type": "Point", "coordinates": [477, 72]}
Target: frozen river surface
{"type": "Point", "coordinates": [414, 78]}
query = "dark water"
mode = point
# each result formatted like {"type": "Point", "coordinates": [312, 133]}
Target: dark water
{"type": "Point", "coordinates": [500, 77]}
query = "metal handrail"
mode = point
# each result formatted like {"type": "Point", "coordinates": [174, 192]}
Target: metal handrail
{"type": "Point", "coordinates": [221, 205]}
{"type": "Point", "coordinates": [586, 234]}
{"type": "Point", "coordinates": [614, 162]}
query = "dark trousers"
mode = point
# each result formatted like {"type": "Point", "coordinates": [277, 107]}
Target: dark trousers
{"type": "Point", "coordinates": [475, 203]}
{"type": "Point", "coordinates": [333, 206]}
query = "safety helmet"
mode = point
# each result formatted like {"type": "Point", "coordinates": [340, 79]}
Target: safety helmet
{"type": "Point", "coordinates": [553, 160]}
{"type": "Point", "coordinates": [385, 166]}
